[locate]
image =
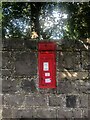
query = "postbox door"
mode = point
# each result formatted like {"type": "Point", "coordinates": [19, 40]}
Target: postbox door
{"type": "Point", "coordinates": [47, 69]}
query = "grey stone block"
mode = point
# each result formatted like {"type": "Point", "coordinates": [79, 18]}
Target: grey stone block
{"type": "Point", "coordinates": [26, 64]}
{"type": "Point", "coordinates": [61, 113]}
{"type": "Point", "coordinates": [14, 100]}
{"type": "Point", "coordinates": [31, 44]}
{"type": "Point", "coordinates": [23, 113]}
{"type": "Point", "coordinates": [9, 86]}
{"type": "Point", "coordinates": [82, 86]}
{"type": "Point", "coordinates": [71, 101]}
{"type": "Point", "coordinates": [0, 59]}
{"type": "Point", "coordinates": [69, 113]}
{"type": "Point", "coordinates": [0, 101]}
{"type": "Point", "coordinates": [68, 60]}
{"type": "Point", "coordinates": [19, 44]}
{"type": "Point", "coordinates": [45, 113]}
{"type": "Point", "coordinates": [7, 113]}
{"type": "Point", "coordinates": [28, 86]}
{"type": "Point", "coordinates": [66, 44]}
{"type": "Point", "coordinates": [52, 1]}
{"type": "Point", "coordinates": [65, 86]}
{"type": "Point", "coordinates": [13, 44]}
{"type": "Point", "coordinates": [16, 114]}
{"type": "Point", "coordinates": [77, 113]}
{"type": "Point", "coordinates": [6, 72]}
{"type": "Point", "coordinates": [83, 100]}
{"type": "Point", "coordinates": [85, 60]}
{"type": "Point", "coordinates": [55, 100]}
{"type": "Point", "coordinates": [0, 72]}
{"type": "Point", "coordinates": [85, 113]}
{"type": "Point", "coordinates": [81, 0]}
{"type": "Point", "coordinates": [35, 100]}
{"type": "Point", "coordinates": [7, 60]}
{"type": "Point", "coordinates": [10, 118]}
{"type": "Point", "coordinates": [64, 0]}
{"type": "Point", "coordinates": [0, 85]}
{"type": "Point", "coordinates": [89, 113]}
{"type": "Point", "coordinates": [89, 101]}
{"type": "Point", "coordinates": [0, 40]}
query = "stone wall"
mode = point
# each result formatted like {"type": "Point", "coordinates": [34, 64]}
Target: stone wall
{"type": "Point", "coordinates": [21, 97]}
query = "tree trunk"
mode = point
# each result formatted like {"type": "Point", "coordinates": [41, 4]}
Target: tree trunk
{"type": "Point", "coordinates": [35, 10]}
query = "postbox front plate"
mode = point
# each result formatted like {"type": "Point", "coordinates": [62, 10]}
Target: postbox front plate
{"type": "Point", "coordinates": [47, 69]}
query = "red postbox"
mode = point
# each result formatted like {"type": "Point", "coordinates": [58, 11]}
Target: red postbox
{"type": "Point", "coordinates": [47, 64]}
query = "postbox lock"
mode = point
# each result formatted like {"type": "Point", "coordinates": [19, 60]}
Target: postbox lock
{"type": "Point", "coordinates": [47, 64]}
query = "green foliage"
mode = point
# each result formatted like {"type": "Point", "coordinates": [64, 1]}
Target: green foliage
{"type": "Point", "coordinates": [78, 22]}
{"type": "Point", "coordinates": [0, 11]}
{"type": "Point", "coordinates": [0, 18]}
{"type": "Point", "coordinates": [20, 19]}
{"type": "Point", "coordinates": [15, 18]}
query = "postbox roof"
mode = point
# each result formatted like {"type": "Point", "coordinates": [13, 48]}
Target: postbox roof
{"type": "Point", "coordinates": [46, 46]}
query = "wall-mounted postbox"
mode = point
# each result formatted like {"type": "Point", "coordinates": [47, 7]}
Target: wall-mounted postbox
{"type": "Point", "coordinates": [47, 64]}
